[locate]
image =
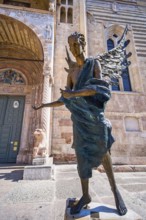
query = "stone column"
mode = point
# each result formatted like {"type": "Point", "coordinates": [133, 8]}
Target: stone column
{"type": "Point", "coordinates": [46, 112]}
{"type": "Point", "coordinates": [83, 23]}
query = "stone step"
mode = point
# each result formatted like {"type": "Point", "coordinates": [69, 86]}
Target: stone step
{"type": "Point", "coordinates": [125, 168]}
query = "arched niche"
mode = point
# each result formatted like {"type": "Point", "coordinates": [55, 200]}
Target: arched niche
{"type": "Point", "coordinates": [21, 49]}
{"type": "Point", "coordinates": [21, 74]}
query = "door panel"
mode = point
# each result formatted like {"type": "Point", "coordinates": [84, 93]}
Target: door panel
{"type": "Point", "coordinates": [11, 115]}
{"type": "Point", "coordinates": [4, 141]}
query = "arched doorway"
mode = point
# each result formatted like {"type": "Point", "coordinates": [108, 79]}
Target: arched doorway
{"type": "Point", "coordinates": [21, 80]}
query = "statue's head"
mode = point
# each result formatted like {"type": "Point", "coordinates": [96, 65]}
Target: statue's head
{"type": "Point", "coordinates": [76, 43]}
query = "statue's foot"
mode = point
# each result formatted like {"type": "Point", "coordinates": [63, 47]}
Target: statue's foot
{"type": "Point", "coordinates": [122, 210]}
{"type": "Point", "coordinates": [81, 203]}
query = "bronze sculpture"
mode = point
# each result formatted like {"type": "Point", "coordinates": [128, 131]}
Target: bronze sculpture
{"type": "Point", "coordinates": [85, 96]}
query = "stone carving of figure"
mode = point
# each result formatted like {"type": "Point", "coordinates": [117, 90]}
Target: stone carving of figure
{"type": "Point", "coordinates": [114, 7]}
{"type": "Point", "coordinates": [39, 149]}
{"type": "Point", "coordinates": [48, 32]}
{"type": "Point", "coordinates": [51, 7]}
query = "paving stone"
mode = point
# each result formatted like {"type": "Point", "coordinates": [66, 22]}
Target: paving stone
{"type": "Point", "coordinates": [100, 185]}
{"type": "Point", "coordinates": [131, 180]}
{"type": "Point", "coordinates": [59, 209]}
{"type": "Point", "coordinates": [66, 175]}
{"type": "Point", "coordinates": [34, 191]}
{"type": "Point", "coordinates": [27, 211]}
{"type": "Point", "coordinates": [68, 188]}
{"type": "Point", "coordinates": [35, 200]}
{"type": "Point", "coordinates": [134, 187]}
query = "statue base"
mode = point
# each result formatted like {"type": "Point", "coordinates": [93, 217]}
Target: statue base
{"type": "Point", "coordinates": [97, 211]}
{"type": "Point", "coordinates": [39, 171]}
{"type": "Point", "coordinates": [42, 161]}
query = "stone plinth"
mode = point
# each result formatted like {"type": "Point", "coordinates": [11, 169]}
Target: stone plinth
{"type": "Point", "coordinates": [97, 211]}
{"type": "Point", "coordinates": [41, 172]}
{"type": "Point", "coordinates": [42, 169]}
{"type": "Point", "coordinates": [42, 161]}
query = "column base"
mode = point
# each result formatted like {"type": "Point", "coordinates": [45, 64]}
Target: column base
{"type": "Point", "coordinates": [42, 169]}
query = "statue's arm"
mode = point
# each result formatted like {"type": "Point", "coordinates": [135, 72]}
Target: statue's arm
{"type": "Point", "coordinates": [77, 93]}
{"type": "Point", "coordinates": [51, 104]}
{"type": "Point", "coordinates": [57, 103]}
{"type": "Point", "coordinates": [97, 70]}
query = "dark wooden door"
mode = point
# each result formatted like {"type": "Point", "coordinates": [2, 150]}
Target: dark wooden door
{"type": "Point", "coordinates": [11, 115]}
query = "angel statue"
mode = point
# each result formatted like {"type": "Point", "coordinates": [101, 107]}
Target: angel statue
{"type": "Point", "coordinates": [86, 94]}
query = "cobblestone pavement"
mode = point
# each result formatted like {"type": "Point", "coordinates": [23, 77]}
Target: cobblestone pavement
{"type": "Point", "coordinates": [46, 199]}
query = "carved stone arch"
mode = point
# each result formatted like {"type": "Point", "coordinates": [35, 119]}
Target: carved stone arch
{"type": "Point", "coordinates": [114, 30]}
{"type": "Point", "coordinates": [22, 47]}
{"type": "Point", "coordinates": [35, 29]}
{"type": "Point", "coordinates": [26, 22]}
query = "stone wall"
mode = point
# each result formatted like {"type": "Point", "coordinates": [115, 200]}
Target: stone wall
{"type": "Point", "coordinates": [62, 129]}
{"type": "Point", "coordinates": [126, 110]}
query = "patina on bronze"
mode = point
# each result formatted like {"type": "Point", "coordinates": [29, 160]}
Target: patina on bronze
{"type": "Point", "coordinates": [85, 96]}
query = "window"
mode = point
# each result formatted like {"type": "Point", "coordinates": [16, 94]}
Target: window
{"type": "Point", "coordinates": [62, 15]}
{"type": "Point", "coordinates": [124, 82]}
{"type": "Point", "coordinates": [110, 44]}
{"type": "Point", "coordinates": [70, 2]}
{"type": "Point", "coordinates": [69, 16]}
{"type": "Point", "coordinates": [66, 11]}
{"type": "Point", "coordinates": [63, 2]}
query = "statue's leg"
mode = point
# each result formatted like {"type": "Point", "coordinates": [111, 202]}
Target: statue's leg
{"type": "Point", "coordinates": [85, 199]}
{"type": "Point", "coordinates": [107, 164]}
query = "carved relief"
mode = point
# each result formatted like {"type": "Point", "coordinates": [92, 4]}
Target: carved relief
{"type": "Point", "coordinates": [51, 7]}
{"type": "Point", "coordinates": [115, 7]}
{"type": "Point", "coordinates": [11, 77]}
{"type": "Point", "coordinates": [48, 32]}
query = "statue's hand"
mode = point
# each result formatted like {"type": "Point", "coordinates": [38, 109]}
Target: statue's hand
{"type": "Point", "coordinates": [36, 107]}
{"type": "Point", "coordinates": [66, 93]}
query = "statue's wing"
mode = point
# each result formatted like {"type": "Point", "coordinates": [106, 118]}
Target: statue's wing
{"type": "Point", "coordinates": [71, 64]}
{"type": "Point", "coordinates": [115, 60]}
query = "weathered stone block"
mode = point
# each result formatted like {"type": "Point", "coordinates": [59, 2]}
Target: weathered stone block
{"type": "Point", "coordinates": [37, 172]}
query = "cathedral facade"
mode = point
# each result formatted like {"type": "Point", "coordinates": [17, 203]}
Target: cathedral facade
{"type": "Point", "coordinates": [33, 41]}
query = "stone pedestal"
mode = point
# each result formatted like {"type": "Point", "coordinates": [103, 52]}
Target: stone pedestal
{"type": "Point", "coordinates": [42, 161]}
{"type": "Point", "coordinates": [42, 169]}
{"type": "Point", "coordinates": [98, 211]}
